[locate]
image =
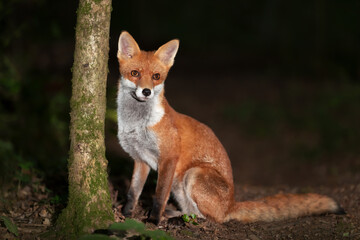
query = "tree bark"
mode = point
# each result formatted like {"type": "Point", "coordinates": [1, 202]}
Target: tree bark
{"type": "Point", "coordinates": [89, 205]}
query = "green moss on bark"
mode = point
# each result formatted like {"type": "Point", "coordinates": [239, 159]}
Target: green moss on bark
{"type": "Point", "coordinates": [89, 204]}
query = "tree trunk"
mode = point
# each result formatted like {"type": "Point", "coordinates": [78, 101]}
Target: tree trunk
{"type": "Point", "coordinates": [89, 205]}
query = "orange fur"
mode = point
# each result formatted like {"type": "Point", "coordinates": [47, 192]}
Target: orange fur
{"type": "Point", "coordinates": [192, 163]}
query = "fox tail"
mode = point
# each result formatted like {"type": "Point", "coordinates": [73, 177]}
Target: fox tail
{"type": "Point", "coordinates": [283, 206]}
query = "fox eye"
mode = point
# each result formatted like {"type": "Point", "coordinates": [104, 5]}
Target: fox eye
{"type": "Point", "coordinates": [156, 76]}
{"type": "Point", "coordinates": [135, 73]}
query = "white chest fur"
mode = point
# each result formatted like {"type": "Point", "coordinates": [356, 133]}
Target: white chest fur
{"type": "Point", "coordinates": [134, 120]}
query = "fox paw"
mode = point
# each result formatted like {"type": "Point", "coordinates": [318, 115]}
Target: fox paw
{"type": "Point", "coordinates": [153, 219]}
{"type": "Point", "coordinates": [127, 211]}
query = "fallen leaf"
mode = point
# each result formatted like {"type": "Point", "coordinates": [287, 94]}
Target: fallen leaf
{"type": "Point", "coordinates": [46, 221]}
{"type": "Point", "coordinates": [44, 213]}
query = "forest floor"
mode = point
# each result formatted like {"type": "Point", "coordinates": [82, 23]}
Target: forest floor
{"type": "Point", "coordinates": [270, 153]}
{"type": "Point", "coordinates": [33, 211]}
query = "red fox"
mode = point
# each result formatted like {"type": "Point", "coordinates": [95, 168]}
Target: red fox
{"type": "Point", "coordinates": [190, 160]}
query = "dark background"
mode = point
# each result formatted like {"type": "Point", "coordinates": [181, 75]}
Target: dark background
{"type": "Point", "coordinates": [278, 81]}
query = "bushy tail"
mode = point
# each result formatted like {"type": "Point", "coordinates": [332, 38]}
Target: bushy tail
{"type": "Point", "coordinates": [282, 206]}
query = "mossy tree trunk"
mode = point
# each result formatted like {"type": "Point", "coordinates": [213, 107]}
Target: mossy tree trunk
{"type": "Point", "coordinates": [89, 205]}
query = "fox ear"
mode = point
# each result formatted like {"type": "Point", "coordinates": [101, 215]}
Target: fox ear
{"type": "Point", "coordinates": [127, 46]}
{"type": "Point", "coordinates": [166, 53]}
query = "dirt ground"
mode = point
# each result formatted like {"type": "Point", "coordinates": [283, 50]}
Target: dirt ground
{"type": "Point", "coordinates": [32, 214]}
{"type": "Point", "coordinates": [262, 166]}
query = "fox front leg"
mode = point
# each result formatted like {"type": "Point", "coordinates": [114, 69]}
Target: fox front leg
{"type": "Point", "coordinates": [140, 174]}
{"type": "Point", "coordinates": [165, 178]}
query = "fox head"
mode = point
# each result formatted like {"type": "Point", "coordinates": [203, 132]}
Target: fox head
{"type": "Point", "coordinates": [143, 72]}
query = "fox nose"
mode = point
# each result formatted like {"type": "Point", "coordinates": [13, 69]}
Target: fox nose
{"type": "Point", "coordinates": [146, 92]}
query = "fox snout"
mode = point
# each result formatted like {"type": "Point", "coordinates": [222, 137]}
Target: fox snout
{"type": "Point", "coordinates": [144, 94]}
{"type": "Point", "coordinates": [140, 91]}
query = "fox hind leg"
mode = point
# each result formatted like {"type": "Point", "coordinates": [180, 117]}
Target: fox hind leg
{"type": "Point", "coordinates": [205, 193]}
{"type": "Point", "coordinates": [181, 192]}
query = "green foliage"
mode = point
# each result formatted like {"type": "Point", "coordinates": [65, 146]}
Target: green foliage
{"type": "Point", "coordinates": [96, 237]}
{"type": "Point", "coordinates": [186, 218]}
{"type": "Point", "coordinates": [9, 225]}
{"type": "Point", "coordinates": [139, 228]}
{"type": "Point", "coordinates": [346, 234]}
{"type": "Point", "coordinates": [190, 219]}
{"type": "Point", "coordinates": [135, 228]}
